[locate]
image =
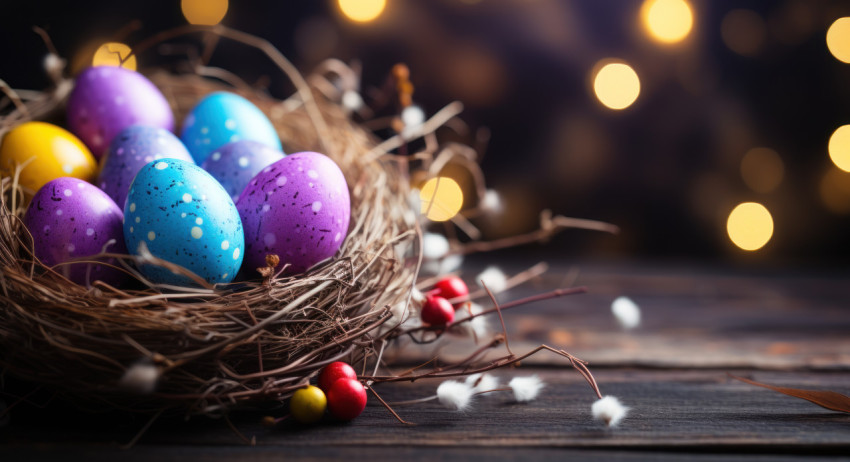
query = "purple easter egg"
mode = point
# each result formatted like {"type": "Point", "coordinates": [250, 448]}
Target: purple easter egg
{"type": "Point", "coordinates": [235, 164]}
{"type": "Point", "coordinates": [70, 218]}
{"type": "Point", "coordinates": [298, 209]}
{"type": "Point", "coordinates": [107, 99]}
{"type": "Point", "coordinates": [131, 150]}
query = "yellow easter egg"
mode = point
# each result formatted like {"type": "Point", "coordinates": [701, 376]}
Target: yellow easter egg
{"type": "Point", "coordinates": [48, 151]}
{"type": "Point", "coordinates": [308, 404]}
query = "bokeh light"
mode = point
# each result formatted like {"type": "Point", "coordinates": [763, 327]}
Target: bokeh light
{"type": "Point", "coordinates": [838, 39]}
{"type": "Point", "coordinates": [743, 31]}
{"type": "Point", "coordinates": [441, 198]}
{"type": "Point", "coordinates": [667, 21]}
{"type": "Point", "coordinates": [835, 191]}
{"type": "Point", "coordinates": [204, 12]}
{"type": "Point", "coordinates": [839, 147]}
{"type": "Point", "coordinates": [112, 53]}
{"type": "Point", "coordinates": [616, 85]}
{"type": "Point", "coordinates": [762, 169]}
{"type": "Point", "coordinates": [362, 10]}
{"type": "Point", "coordinates": [750, 226]}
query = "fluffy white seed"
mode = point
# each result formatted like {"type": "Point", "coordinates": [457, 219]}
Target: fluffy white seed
{"type": "Point", "coordinates": [482, 382]}
{"type": "Point", "coordinates": [454, 395]}
{"type": "Point", "coordinates": [627, 312]}
{"type": "Point", "coordinates": [526, 388]}
{"type": "Point", "coordinates": [609, 410]}
{"type": "Point", "coordinates": [494, 278]}
{"type": "Point", "coordinates": [140, 378]}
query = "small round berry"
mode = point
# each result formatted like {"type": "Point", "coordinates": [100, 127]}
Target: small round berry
{"type": "Point", "coordinates": [346, 399]}
{"type": "Point", "coordinates": [451, 287]}
{"type": "Point", "coordinates": [333, 372]}
{"type": "Point", "coordinates": [437, 311]}
{"type": "Point", "coordinates": [308, 404]}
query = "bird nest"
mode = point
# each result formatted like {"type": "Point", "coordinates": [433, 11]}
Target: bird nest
{"type": "Point", "coordinates": [207, 349]}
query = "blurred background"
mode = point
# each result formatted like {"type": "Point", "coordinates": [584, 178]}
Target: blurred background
{"type": "Point", "coordinates": [708, 130]}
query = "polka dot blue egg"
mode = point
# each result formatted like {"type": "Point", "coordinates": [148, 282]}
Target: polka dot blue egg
{"type": "Point", "coordinates": [183, 215]}
{"type": "Point", "coordinates": [221, 118]}
{"type": "Point", "coordinates": [236, 163]}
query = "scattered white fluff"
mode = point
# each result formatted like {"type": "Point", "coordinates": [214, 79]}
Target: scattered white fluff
{"type": "Point", "coordinates": [454, 395]}
{"type": "Point", "coordinates": [442, 266]}
{"type": "Point", "coordinates": [491, 201]}
{"type": "Point", "coordinates": [477, 327]}
{"type": "Point", "coordinates": [494, 278]}
{"type": "Point", "coordinates": [351, 100]}
{"type": "Point", "coordinates": [140, 378]}
{"type": "Point", "coordinates": [609, 410]}
{"type": "Point", "coordinates": [413, 117]}
{"type": "Point", "coordinates": [482, 382]}
{"type": "Point", "coordinates": [526, 388]}
{"type": "Point", "coordinates": [417, 296]}
{"type": "Point", "coordinates": [627, 312]}
{"type": "Point", "coordinates": [434, 245]}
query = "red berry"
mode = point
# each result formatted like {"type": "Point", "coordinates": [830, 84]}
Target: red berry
{"type": "Point", "coordinates": [437, 311]}
{"type": "Point", "coordinates": [333, 372]}
{"type": "Point", "coordinates": [451, 287]}
{"type": "Point", "coordinates": [346, 399]}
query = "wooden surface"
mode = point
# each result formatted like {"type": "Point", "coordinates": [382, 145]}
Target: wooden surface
{"type": "Point", "coordinates": [781, 327]}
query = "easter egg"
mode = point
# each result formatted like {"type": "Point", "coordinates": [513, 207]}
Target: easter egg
{"type": "Point", "coordinates": [346, 399]}
{"type": "Point", "coordinates": [236, 163]}
{"type": "Point", "coordinates": [108, 99]}
{"type": "Point", "coordinates": [221, 118]}
{"type": "Point", "coordinates": [49, 152]}
{"type": "Point", "coordinates": [308, 404]}
{"type": "Point", "coordinates": [70, 218]}
{"type": "Point", "coordinates": [131, 150]}
{"type": "Point", "coordinates": [297, 208]}
{"type": "Point", "coordinates": [184, 216]}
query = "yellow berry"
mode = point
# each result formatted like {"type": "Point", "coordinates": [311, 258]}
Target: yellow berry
{"type": "Point", "coordinates": [308, 404]}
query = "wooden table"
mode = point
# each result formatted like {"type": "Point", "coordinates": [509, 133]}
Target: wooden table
{"type": "Point", "coordinates": [780, 326]}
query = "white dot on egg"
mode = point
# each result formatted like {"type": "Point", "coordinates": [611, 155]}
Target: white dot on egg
{"type": "Point", "coordinates": [161, 165]}
{"type": "Point", "coordinates": [59, 212]}
{"type": "Point", "coordinates": [67, 169]}
{"type": "Point", "coordinates": [269, 239]}
{"type": "Point", "coordinates": [131, 229]}
{"type": "Point", "coordinates": [225, 245]}
{"type": "Point", "coordinates": [183, 215]}
{"type": "Point", "coordinates": [205, 130]}
{"type": "Point", "coordinates": [89, 232]}
{"type": "Point", "coordinates": [138, 219]}
{"type": "Point", "coordinates": [243, 162]}
{"type": "Point", "coordinates": [68, 193]}
{"type": "Point", "coordinates": [133, 207]}
{"type": "Point", "coordinates": [317, 206]}
{"type": "Point", "coordinates": [71, 247]}
{"type": "Point", "coordinates": [337, 237]}
{"type": "Point", "coordinates": [312, 174]}
{"type": "Point", "coordinates": [234, 138]}
{"type": "Point", "coordinates": [186, 198]}
{"type": "Point", "coordinates": [197, 232]}
{"type": "Point", "coordinates": [266, 207]}
{"type": "Point", "coordinates": [151, 235]}
{"type": "Point", "coordinates": [80, 185]}
{"type": "Point", "coordinates": [236, 254]}
{"type": "Point", "coordinates": [224, 276]}
{"type": "Point", "coordinates": [199, 221]}
{"type": "Point", "coordinates": [216, 156]}
{"type": "Point", "coordinates": [230, 124]}
{"type": "Point", "coordinates": [281, 180]}
{"type": "Point", "coordinates": [206, 141]}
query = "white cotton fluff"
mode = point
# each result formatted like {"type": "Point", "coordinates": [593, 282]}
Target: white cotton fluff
{"type": "Point", "coordinates": [434, 245]}
{"type": "Point", "coordinates": [609, 410]}
{"type": "Point", "coordinates": [494, 278]}
{"type": "Point", "coordinates": [477, 327]}
{"type": "Point", "coordinates": [454, 395]}
{"type": "Point", "coordinates": [140, 378]}
{"type": "Point", "coordinates": [491, 201]}
{"type": "Point", "coordinates": [526, 388]}
{"type": "Point", "coordinates": [413, 117]}
{"type": "Point", "coordinates": [351, 100]}
{"type": "Point", "coordinates": [482, 382]}
{"type": "Point", "coordinates": [626, 311]}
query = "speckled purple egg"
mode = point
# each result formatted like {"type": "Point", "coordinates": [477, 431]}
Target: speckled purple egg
{"type": "Point", "coordinates": [235, 164]}
{"type": "Point", "coordinates": [131, 150]}
{"type": "Point", "coordinates": [298, 209]}
{"type": "Point", "coordinates": [70, 218]}
{"type": "Point", "coordinates": [108, 99]}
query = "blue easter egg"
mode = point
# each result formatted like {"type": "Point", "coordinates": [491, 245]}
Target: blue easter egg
{"type": "Point", "coordinates": [221, 118]}
{"type": "Point", "coordinates": [236, 163]}
{"type": "Point", "coordinates": [130, 150]}
{"type": "Point", "coordinates": [183, 215]}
